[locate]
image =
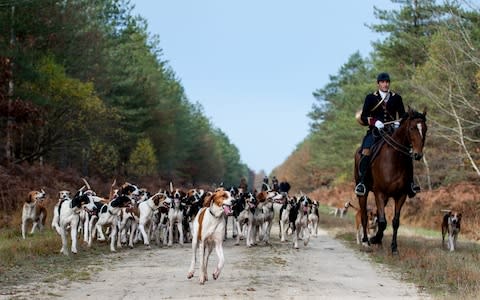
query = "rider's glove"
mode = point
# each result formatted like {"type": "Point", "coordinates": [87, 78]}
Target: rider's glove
{"type": "Point", "coordinates": [379, 124]}
{"type": "Point", "coordinates": [396, 124]}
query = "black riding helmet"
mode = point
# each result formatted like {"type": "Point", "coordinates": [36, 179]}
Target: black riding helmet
{"type": "Point", "coordinates": [383, 77]}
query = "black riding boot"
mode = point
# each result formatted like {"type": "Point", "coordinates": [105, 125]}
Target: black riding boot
{"type": "Point", "coordinates": [360, 189]}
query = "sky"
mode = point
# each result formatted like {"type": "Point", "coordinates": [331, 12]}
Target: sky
{"type": "Point", "coordinates": [254, 64]}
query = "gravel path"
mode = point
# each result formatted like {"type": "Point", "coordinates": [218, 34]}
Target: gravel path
{"type": "Point", "coordinates": [325, 269]}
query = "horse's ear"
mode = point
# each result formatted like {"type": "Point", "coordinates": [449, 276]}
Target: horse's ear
{"type": "Point", "coordinates": [410, 110]}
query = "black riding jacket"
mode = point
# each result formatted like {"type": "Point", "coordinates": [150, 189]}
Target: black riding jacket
{"type": "Point", "coordinates": [375, 109]}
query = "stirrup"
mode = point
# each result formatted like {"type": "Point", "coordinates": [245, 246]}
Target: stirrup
{"type": "Point", "coordinates": [414, 189]}
{"type": "Point", "coordinates": [360, 189]}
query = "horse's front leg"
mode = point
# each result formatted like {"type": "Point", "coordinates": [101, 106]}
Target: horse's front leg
{"type": "Point", "coordinates": [362, 201]}
{"type": "Point", "coordinates": [380, 200]}
{"type": "Point", "coordinates": [396, 222]}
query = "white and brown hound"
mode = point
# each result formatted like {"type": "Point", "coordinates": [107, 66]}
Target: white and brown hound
{"type": "Point", "coordinates": [209, 232]}
{"type": "Point", "coordinates": [33, 210]}
{"type": "Point", "coordinates": [451, 224]}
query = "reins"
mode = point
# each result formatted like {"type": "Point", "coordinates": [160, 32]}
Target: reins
{"type": "Point", "coordinates": [396, 145]}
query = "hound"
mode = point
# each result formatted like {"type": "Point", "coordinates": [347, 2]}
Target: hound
{"type": "Point", "coordinates": [301, 222]}
{"type": "Point", "coordinates": [340, 211]}
{"type": "Point", "coordinates": [313, 218]}
{"type": "Point", "coordinates": [245, 218]}
{"type": "Point", "coordinates": [372, 222]}
{"type": "Point", "coordinates": [284, 219]}
{"type": "Point", "coordinates": [108, 216]}
{"type": "Point", "coordinates": [257, 224]}
{"type": "Point", "coordinates": [62, 196]}
{"type": "Point", "coordinates": [192, 204]}
{"type": "Point", "coordinates": [147, 209]}
{"type": "Point", "coordinates": [267, 198]}
{"type": "Point", "coordinates": [34, 210]}
{"type": "Point", "coordinates": [209, 231]}
{"type": "Point", "coordinates": [175, 216]}
{"type": "Point", "coordinates": [69, 215]}
{"type": "Point", "coordinates": [451, 225]}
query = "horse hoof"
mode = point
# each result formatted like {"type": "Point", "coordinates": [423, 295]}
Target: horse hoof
{"type": "Point", "coordinates": [375, 240]}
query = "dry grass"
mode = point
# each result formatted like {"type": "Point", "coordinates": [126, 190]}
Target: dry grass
{"type": "Point", "coordinates": [37, 258]}
{"type": "Point", "coordinates": [422, 260]}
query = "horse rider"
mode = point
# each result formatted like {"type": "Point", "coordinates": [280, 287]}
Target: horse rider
{"type": "Point", "coordinates": [265, 185]}
{"type": "Point", "coordinates": [243, 185]}
{"type": "Point", "coordinates": [378, 108]}
{"type": "Point", "coordinates": [275, 183]}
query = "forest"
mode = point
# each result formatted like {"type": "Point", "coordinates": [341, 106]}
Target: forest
{"type": "Point", "coordinates": [84, 87]}
{"type": "Point", "coordinates": [86, 91]}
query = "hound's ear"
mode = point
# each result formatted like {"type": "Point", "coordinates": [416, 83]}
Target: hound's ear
{"type": "Point", "coordinates": [425, 111]}
{"type": "Point", "coordinates": [30, 197]}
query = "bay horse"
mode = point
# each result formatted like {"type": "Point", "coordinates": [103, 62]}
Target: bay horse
{"type": "Point", "coordinates": [390, 172]}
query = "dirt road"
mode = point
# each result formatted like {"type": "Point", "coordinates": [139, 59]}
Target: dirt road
{"type": "Point", "coordinates": [325, 269]}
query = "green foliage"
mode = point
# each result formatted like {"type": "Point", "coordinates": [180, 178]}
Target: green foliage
{"type": "Point", "coordinates": [104, 158]}
{"type": "Point", "coordinates": [142, 161]}
{"type": "Point", "coordinates": [336, 134]}
{"type": "Point", "coordinates": [102, 85]}
{"type": "Point", "coordinates": [70, 109]}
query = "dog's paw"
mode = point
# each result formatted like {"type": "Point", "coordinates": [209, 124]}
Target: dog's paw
{"type": "Point", "coordinates": [189, 275]}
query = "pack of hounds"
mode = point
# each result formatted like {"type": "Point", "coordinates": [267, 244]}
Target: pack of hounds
{"type": "Point", "coordinates": [130, 215]}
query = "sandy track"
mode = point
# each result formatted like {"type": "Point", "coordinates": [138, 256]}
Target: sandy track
{"type": "Point", "coordinates": [325, 269]}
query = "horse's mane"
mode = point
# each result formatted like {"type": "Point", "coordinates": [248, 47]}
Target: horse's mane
{"type": "Point", "coordinates": [413, 114]}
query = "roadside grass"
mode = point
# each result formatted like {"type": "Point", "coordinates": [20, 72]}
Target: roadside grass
{"type": "Point", "coordinates": [422, 260]}
{"type": "Point", "coordinates": [38, 259]}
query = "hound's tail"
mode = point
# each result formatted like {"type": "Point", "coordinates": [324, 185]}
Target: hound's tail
{"type": "Point", "coordinates": [352, 206]}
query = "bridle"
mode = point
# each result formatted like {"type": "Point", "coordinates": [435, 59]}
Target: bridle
{"type": "Point", "coordinates": [397, 145]}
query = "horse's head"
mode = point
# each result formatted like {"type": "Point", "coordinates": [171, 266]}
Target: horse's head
{"type": "Point", "coordinates": [415, 124]}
